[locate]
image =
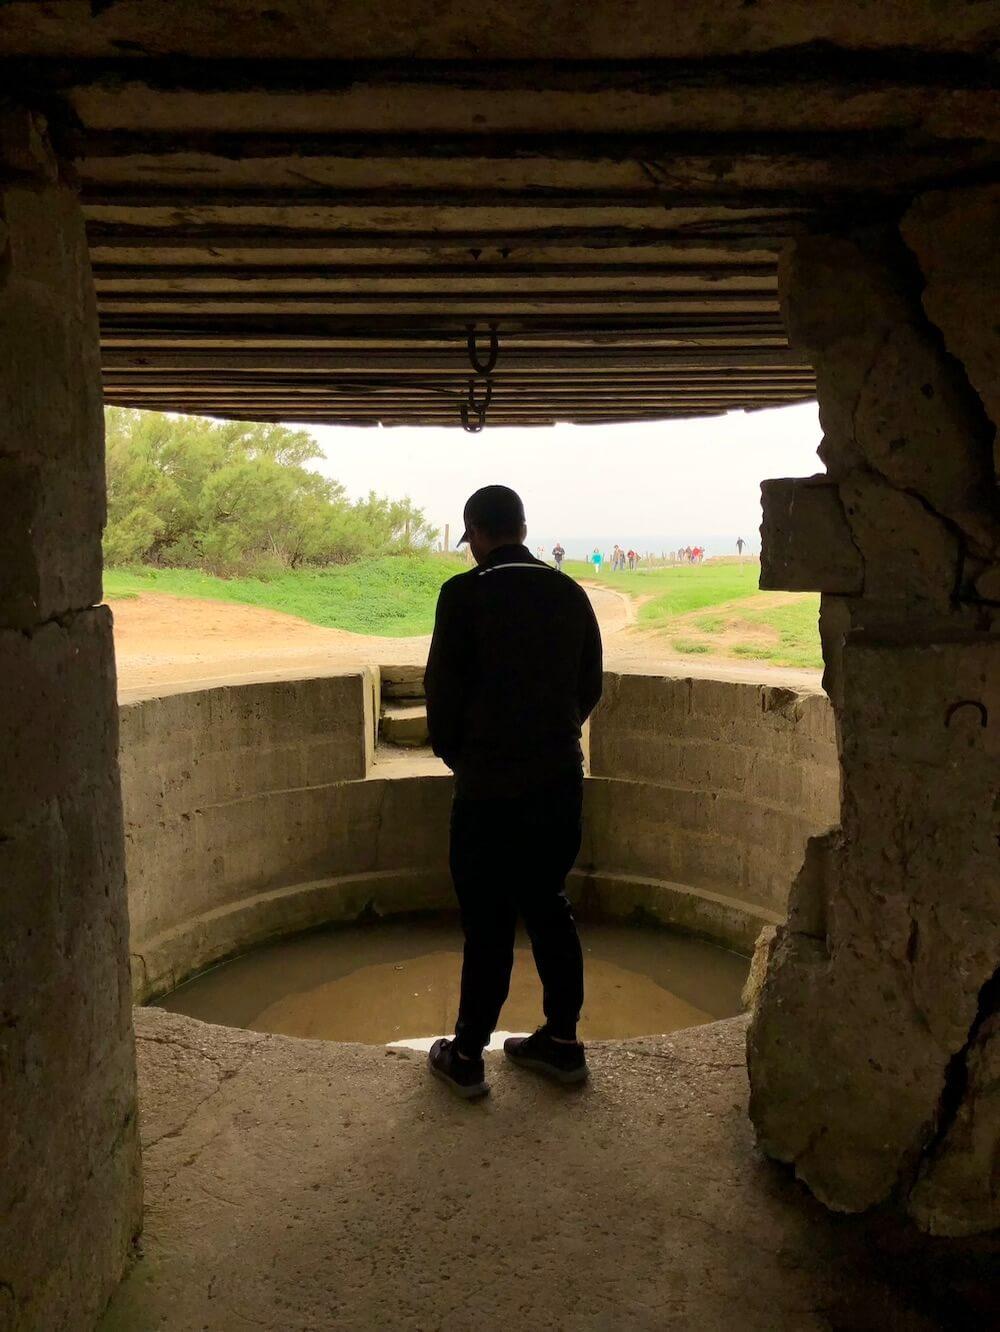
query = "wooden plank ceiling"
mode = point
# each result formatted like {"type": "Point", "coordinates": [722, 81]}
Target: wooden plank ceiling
{"type": "Point", "coordinates": [311, 239]}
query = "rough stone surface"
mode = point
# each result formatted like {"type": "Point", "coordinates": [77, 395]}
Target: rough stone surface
{"type": "Point", "coordinates": [988, 583]}
{"type": "Point", "coordinates": [866, 1049]}
{"type": "Point", "coordinates": [51, 419]}
{"type": "Point", "coordinates": [890, 399]}
{"type": "Point", "coordinates": [67, 1081]}
{"type": "Point", "coordinates": [806, 542]}
{"type": "Point", "coordinates": [296, 1185]}
{"type": "Point", "coordinates": [869, 1000]}
{"type": "Point", "coordinates": [908, 555]}
{"type": "Point", "coordinates": [953, 234]}
{"type": "Point", "coordinates": [761, 960]}
{"type": "Point", "coordinates": [69, 1180]}
{"type": "Point", "coordinates": [958, 1192]}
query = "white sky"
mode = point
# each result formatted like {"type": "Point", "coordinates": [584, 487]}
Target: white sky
{"type": "Point", "coordinates": [657, 485]}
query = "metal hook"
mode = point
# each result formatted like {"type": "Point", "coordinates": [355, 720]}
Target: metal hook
{"type": "Point", "coordinates": [474, 407]}
{"type": "Point", "coordinates": [480, 367]}
{"type": "Point", "coordinates": [984, 715]}
{"type": "Point", "coordinates": [480, 405]}
{"type": "Point", "coordinates": [467, 423]}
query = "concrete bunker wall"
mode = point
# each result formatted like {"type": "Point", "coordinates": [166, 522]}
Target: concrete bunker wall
{"type": "Point", "coordinates": [711, 784]}
{"type": "Point", "coordinates": [70, 1194]}
{"type": "Point", "coordinates": [255, 810]}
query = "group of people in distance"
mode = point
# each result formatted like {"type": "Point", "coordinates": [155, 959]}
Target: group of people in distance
{"type": "Point", "coordinates": [690, 554]}
{"type": "Point", "coordinates": [623, 559]}
{"type": "Point", "coordinates": [620, 560]}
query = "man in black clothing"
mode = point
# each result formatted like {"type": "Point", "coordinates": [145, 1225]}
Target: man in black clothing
{"type": "Point", "coordinates": [514, 670]}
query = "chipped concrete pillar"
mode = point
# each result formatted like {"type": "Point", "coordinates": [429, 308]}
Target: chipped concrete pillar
{"type": "Point", "coordinates": [69, 1187]}
{"type": "Point", "coordinates": [875, 1033]}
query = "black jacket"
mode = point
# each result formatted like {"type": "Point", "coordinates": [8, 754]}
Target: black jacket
{"type": "Point", "coordinates": [514, 670]}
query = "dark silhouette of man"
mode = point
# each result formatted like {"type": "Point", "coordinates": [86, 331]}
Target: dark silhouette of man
{"type": "Point", "coordinates": [513, 672]}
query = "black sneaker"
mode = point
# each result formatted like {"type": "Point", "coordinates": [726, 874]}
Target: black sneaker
{"type": "Point", "coordinates": [465, 1077]}
{"type": "Point", "coordinates": [556, 1059]}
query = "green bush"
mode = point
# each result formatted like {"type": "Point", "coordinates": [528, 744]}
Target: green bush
{"type": "Point", "coordinates": [233, 496]}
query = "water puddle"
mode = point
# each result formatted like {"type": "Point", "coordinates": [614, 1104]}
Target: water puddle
{"type": "Point", "coordinates": [396, 982]}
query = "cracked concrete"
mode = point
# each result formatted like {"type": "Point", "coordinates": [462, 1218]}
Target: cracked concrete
{"type": "Point", "coordinates": [867, 1017]}
{"type": "Point", "coordinates": [309, 1185]}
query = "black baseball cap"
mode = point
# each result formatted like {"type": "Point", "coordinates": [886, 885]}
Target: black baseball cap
{"type": "Point", "coordinates": [496, 509]}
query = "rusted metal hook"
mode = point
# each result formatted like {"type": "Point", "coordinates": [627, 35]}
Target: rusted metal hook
{"type": "Point", "coordinates": [984, 715]}
{"type": "Point", "coordinates": [475, 407]}
{"type": "Point", "coordinates": [482, 367]}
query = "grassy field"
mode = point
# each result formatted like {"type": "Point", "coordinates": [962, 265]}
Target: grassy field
{"type": "Point", "coordinates": [778, 627]}
{"type": "Point", "coordinates": [393, 597]}
{"type": "Point", "coordinates": [712, 609]}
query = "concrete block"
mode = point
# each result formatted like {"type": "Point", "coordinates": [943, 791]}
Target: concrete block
{"type": "Point", "coordinates": [58, 722]}
{"type": "Point", "coordinates": [405, 725]}
{"type": "Point", "coordinates": [51, 420]}
{"type": "Point", "coordinates": [402, 682]}
{"type": "Point", "coordinates": [909, 554]}
{"type": "Point", "coordinates": [806, 543]}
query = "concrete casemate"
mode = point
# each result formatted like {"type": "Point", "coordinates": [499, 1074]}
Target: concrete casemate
{"type": "Point", "coordinates": [294, 211]}
{"type": "Point", "coordinates": [69, 1156]}
{"type": "Point", "coordinates": [254, 810]}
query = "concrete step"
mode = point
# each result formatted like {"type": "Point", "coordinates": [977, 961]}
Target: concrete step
{"type": "Point", "coordinates": [402, 682]}
{"type": "Point", "coordinates": [404, 725]}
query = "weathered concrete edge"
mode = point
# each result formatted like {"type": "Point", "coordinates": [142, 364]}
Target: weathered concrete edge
{"type": "Point", "coordinates": [722, 920]}
{"type": "Point", "coordinates": [165, 961]}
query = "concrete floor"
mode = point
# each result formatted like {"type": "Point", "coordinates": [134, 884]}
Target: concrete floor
{"type": "Point", "coordinates": [304, 1185]}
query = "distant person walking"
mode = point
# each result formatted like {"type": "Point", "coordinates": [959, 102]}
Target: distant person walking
{"type": "Point", "coordinates": [740, 543]}
{"type": "Point", "coordinates": [558, 554]}
{"type": "Point", "coordinates": [632, 557]}
{"type": "Point", "coordinates": [510, 732]}
{"type": "Point", "coordinates": [596, 559]}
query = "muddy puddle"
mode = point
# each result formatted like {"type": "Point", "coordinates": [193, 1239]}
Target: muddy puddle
{"type": "Point", "coordinates": [398, 981]}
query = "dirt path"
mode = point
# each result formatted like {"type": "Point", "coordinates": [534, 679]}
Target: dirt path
{"type": "Point", "coordinates": [188, 643]}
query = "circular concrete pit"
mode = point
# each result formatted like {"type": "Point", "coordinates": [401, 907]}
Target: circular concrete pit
{"type": "Point", "coordinates": [260, 812]}
{"type": "Point", "coordinates": [397, 981]}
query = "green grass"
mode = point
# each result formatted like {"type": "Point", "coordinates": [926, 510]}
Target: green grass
{"type": "Point", "coordinates": [797, 624]}
{"type": "Point", "coordinates": [672, 595]}
{"type": "Point", "coordinates": [676, 590]}
{"type": "Point", "coordinates": [686, 646]}
{"type": "Point", "coordinates": [393, 597]}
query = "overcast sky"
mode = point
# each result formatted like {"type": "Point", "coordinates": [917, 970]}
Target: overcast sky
{"type": "Point", "coordinates": [659, 486]}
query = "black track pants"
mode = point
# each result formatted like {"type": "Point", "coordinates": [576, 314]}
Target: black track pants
{"type": "Point", "coordinates": [510, 857]}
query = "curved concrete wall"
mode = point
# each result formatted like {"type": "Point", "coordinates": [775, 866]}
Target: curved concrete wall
{"type": "Point", "coordinates": [713, 786]}
{"type": "Point", "coordinates": [253, 811]}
